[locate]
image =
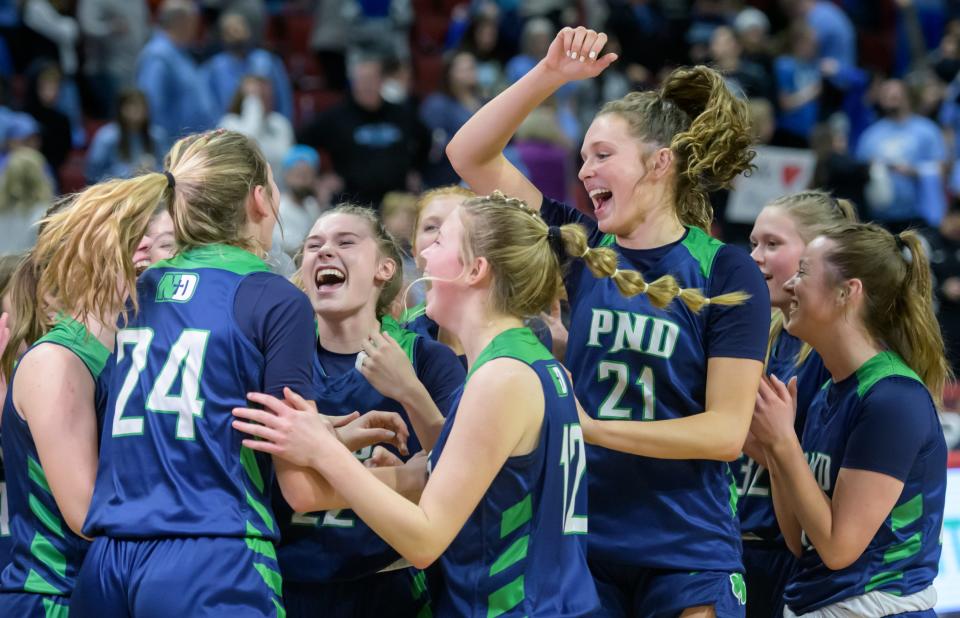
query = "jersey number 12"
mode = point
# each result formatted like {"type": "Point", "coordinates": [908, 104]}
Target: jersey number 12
{"type": "Point", "coordinates": [573, 459]}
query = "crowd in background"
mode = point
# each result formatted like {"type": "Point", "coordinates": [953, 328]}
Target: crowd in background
{"type": "Point", "coordinates": [355, 100]}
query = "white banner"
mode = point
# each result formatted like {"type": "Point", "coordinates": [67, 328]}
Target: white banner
{"type": "Point", "coordinates": [948, 580]}
{"type": "Point", "coordinates": [779, 171]}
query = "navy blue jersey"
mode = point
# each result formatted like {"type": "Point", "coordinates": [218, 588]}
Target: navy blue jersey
{"type": "Point", "coordinates": [632, 361]}
{"type": "Point", "coordinates": [522, 552]}
{"type": "Point", "coordinates": [757, 518]}
{"type": "Point", "coordinates": [45, 554]}
{"type": "Point", "coordinates": [336, 545]}
{"type": "Point", "coordinates": [881, 419]}
{"type": "Point", "coordinates": [5, 540]}
{"type": "Point", "coordinates": [170, 462]}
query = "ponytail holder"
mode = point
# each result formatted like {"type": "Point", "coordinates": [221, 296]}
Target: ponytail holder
{"type": "Point", "coordinates": [555, 240]}
{"type": "Point", "coordinates": [900, 244]}
{"type": "Point", "coordinates": [615, 271]}
{"type": "Point", "coordinates": [171, 181]}
{"type": "Point", "coordinates": [646, 286]}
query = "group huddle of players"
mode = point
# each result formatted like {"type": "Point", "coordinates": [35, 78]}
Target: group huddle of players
{"type": "Point", "coordinates": [715, 434]}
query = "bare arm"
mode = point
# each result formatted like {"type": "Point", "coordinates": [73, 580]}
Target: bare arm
{"type": "Point", "coordinates": [476, 151]}
{"type": "Point", "coordinates": [499, 416]}
{"type": "Point", "coordinates": [54, 392]}
{"type": "Point", "coordinates": [717, 433]}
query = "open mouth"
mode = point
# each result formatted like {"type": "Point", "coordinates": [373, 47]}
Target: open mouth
{"type": "Point", "coordinates": [328, 279]}
{"type": "Point", "coordinates": [600, 197]}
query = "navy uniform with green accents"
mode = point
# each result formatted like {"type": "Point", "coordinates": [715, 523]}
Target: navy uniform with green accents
{"type": "Point", "coordinates": [522, 552]}
{"type": "Point", "coordinates": [181, 513]}
{"type": "Point", "coordinates": [880, 419]}
{"type": "Point", "coordinates": [332, 563]}
{"type": "Point", "coordinates": [767, 561]}
{"type": "Point", "coordinates": [654, 522]}
{"type": "Point", "coordinates": [45, 555]}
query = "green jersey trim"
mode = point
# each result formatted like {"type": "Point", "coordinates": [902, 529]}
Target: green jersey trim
{"type": "Point", "coordinates": [703, 248]}
{"type": "Point", "coordinates": [519, 343]}
{"type": "Point", "coordinates": [74, 336]}
{"type": "Point", "coordinates": [406, 339]}
{"type": "Point", "coordinates": [883, 365]}
{"type": "Point", "coordinates": [223, 257]}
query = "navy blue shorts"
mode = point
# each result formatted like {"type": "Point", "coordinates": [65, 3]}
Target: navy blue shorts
{"type": "Point", "coordinates": [633, 592]}
{"type": "Point", "coordinates": [32, 605]}
{"type": "Point", "coordinates": [769, 566]}
{"type": "Point", "coordinates": [400, 594]}
{"type": "Point", "coordinates": [197, 577]}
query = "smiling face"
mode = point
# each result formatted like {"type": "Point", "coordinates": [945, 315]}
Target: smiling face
{"type": "Point", "coordinates": [614, 172]}
{"type": "Point", "coordinates": [342, 270]}
{"type": "Point", "coordinates": [443, 259]}
{"type": "Point", "coordinates": [776, 249]}
{"type": "Point", "coordinates": [432, 216]}
{"type": "Point", "coordinates": [814, 308]}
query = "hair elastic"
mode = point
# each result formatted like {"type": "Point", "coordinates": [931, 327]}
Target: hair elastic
{"type": "Point", "coordinates": [171, 181]}
{"type": "Point", "coordinates": [555, 240]}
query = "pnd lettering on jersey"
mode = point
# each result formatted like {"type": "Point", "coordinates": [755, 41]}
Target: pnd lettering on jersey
{"type": "Point", "coordinates": [820, 465]}
{"type": "Point", "coordinates": [633, 331]}
{"type": "Point", "coordinates": [177, 287]}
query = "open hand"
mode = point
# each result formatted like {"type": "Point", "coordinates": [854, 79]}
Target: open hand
{"type": "Point", "coordinates": [576, 54]}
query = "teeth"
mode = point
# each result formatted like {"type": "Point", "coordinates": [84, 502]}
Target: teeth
{"type": "Point", "coordinates": [600, 192]}
{"type": "Point", "coordinates": [329, 275]}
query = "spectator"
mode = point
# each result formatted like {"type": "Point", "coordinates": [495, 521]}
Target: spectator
{"type": "Point", "coordinates": [374, 146]}
{"type": "Point", "coordinates": [251, 113]}
{"type": "Point", "coordinates": [944, 243]}
{"type": "Point", "coordinates": [482, 39]}
{"type": "Point", "coordinates": [329, 41]}
{"type": "Point", "coordinates": [834, 33]}
{"type": "Point", "coordinates": [742, 75]}
{"type": "Point", "coordinates": [43, 91]}
{"type": "Point", "coordinates": [799, 86]}
{"type": "Point", "coordinates": [913, 150]}
{"type": "Point", "coordinates": [643, 35]}
{"type": "Point", "coordinates": [545, 151]}
{"type": "Point", "coordinates": [241, 57]}
{"type": "Point", "coordinates": [129, 144]}
{"type": "Point", "coordinates": [538, 33]}
{"type": "Point", "coordinates": [114, 32]}
{"type": "Point", "coordinates": [445, 112]}
{"type": "Point", "coordinates": [753, 33]}
{"type": "Point", "coordinates": [179, 100]}
{"type": "Point", "coordinates": [44, 18]}
{"type": "Point", "coordinates": [837, 170]}
{"type": "Point", "coordinates": [25, 194]}
{"type": "Point", "coordinates": [21, 130]}
{"type": "Point", "coordinates": [300, 202]}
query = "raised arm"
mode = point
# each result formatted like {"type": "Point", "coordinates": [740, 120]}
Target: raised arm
{"type": "Point", "coordinates": [476, 151]}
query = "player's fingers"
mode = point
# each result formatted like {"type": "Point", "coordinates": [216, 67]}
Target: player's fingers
{"type": "Point", "coordinates": [576, 47]}
{"type": "Point", "coordinates": [606, 60]}
{"type": "Point", "coordinates": [340, 421]}
{"type": "Point", "coordinates": [597, 46]}
{"type": "Point", "coordinates": [298, 402]}
{"type": "Point", "coordinates": [567, 35]}
{"type": "Point", "coordinates": [260, 445]}
{"type": "Point", "coordinates": [264, 433]}
{"type": "Point", "coordinates": [270, 402]}
{"type": "Point", "coordinates": [257, 416]}
{"type": "Point", "coordinates": [587, 48]}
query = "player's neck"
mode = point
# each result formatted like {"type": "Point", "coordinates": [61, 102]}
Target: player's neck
{"type": "Point", "coordinates": [658, 228]}
{"type": "Point", "coordinates": [105, 334]}
{"type": "Point", "coordinates": [478, 328]}
{"type": "Point", "coordinates": [845, 350]}
{"type": "Point", "coordinates": [344, 335]}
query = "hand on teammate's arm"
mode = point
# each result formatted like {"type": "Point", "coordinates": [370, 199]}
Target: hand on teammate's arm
{"type": "Point", "coordinates": [389, 370]}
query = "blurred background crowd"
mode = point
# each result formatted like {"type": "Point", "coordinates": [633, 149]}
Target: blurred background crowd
{"type": "Point", "coordinates": [356, 99]}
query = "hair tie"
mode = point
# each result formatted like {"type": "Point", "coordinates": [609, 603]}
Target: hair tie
{"type": "Point", "coordinates": [615, 272]}
{"type": "Point", "coordinates": [171, 181]}
{"type": "Point", "coordinates": [900, 244]}
{"type": "Point", "coordinates": [645, 287]}
{"type": "Point", "coordinates": [555, 240]}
